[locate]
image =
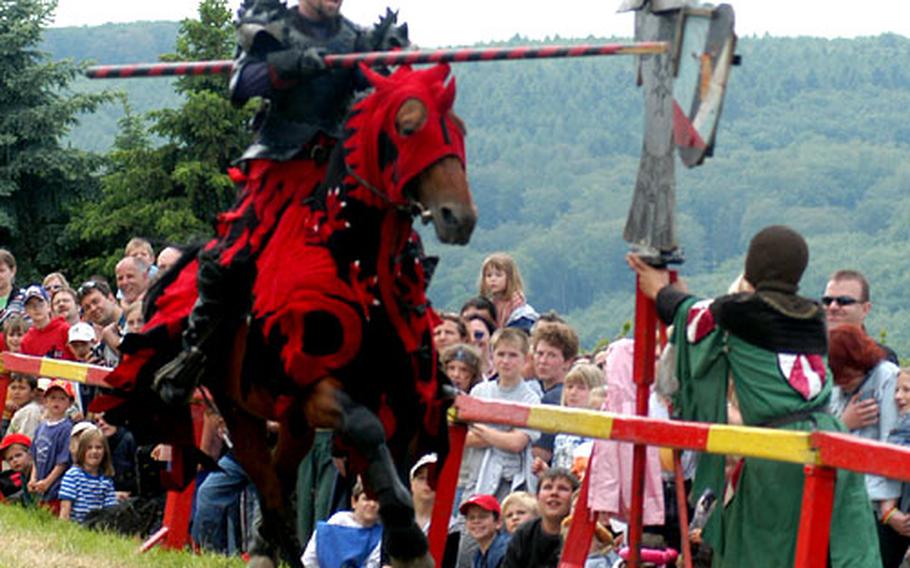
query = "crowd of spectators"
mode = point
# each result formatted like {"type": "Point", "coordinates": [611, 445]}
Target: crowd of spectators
{"type": "Point", "coordinates": [516, 486]}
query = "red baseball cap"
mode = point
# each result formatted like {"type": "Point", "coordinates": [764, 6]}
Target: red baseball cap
{"type": "Point", "coordinates": [65, 386]}
{"type": "Point", "coordinates": [485, 502]}
{"type": "Point", "coordinates": [11, 439]}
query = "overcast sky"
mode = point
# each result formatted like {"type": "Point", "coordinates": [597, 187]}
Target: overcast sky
{"type": "Point", "coordinates": [459, 22]}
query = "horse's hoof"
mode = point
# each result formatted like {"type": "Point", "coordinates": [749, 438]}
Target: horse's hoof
{"type": "Point", "coordinates": [261, 562]}
{"type": "Point", "coordinates": [407, 543]}
{"type": "Point", "coordinates": [425, 561]}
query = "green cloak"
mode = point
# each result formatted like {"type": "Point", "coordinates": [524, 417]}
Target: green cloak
{"type": "Point", "coordinates": [758, 527]}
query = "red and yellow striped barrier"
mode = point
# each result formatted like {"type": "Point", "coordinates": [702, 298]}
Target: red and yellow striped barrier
{"type": "Point", "coordinates": [826, 449]}
{"type": "Point", "coordinates": [54, 369]}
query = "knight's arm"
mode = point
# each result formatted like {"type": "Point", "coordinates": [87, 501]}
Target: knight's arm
{"type": "Point", "coordinates": [263, 63]}
{"type": "Point", "coordinates": [261, 72]}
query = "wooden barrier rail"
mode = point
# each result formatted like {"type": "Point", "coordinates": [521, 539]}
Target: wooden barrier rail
{"type": "Point", "coordinates": [828, 449]}
{"type": "Point", "coordinates": [822, 453]}
{"type": "Point", "coordinates": [54, 369]}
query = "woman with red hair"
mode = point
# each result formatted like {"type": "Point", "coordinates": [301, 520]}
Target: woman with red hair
{"type": "Point", "coordinates": [861, 372]}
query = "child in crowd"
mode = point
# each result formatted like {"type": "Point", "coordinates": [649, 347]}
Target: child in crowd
{"type": "Point", "coordinates": [572, 452]}
{"type": "Point", "coordinates": [518, 507]}
{"type": "Point", "coordinates": [81, 340]}
{"type": "Point", "coordinates": [348, 538]}
{"type": "Point", "coordinates": [14, 450]}
{"type": "Point", "coordinates": [50, 448]}
{"type": "Point", "coordinates": [14, 329]}
{"type": "Point", "coordinates": [88, 486]}
{"type": "Point", "coordinates": [483, 519]}
{"type": "Point", "coordinates": [79, 428]}
{"type": "Point", "coordinates": [47, 336]}
{"type": "Point", "coordinates": [506, 463]}
{"type": "Point", "coordinates": [134, 317]}
{"type": "Point", "coordinates": [894, 532]}
{"type": "Point", "coordinates": [538, 542]}
{"type": "Point", "coordinates": [462, 365]}
{"type": "Point", "coordinates": [140, 248]}
{"type": "Point", "coordinates": [24, 389]}
{"type": "Point", "coordinates": [500, 281]}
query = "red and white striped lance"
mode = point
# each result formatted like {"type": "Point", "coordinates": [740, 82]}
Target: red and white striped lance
{"type": "Point", "coordinates": [375, 58]}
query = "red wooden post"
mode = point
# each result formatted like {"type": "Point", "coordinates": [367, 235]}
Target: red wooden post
{"type": "Point", "coordinates": [177, 512]}
{"type": "Point", "coordinates": [446, 484]}
{"type": "Point", "coordinates": [682, 505]}
{"type": "Point", "coordinates": [815, 517]}
{"type": "Point", "coordinates": [578, 541]}
{"type": "Point", "coordinates": [179, 505]}
{"type": "Point", "coordinates": [643, 372]}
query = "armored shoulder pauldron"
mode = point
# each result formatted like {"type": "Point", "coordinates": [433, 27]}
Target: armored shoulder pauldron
{"type": "Point", "coordinates": [386, 35]}
{"type": "Point", "coordinates": [260, 21]}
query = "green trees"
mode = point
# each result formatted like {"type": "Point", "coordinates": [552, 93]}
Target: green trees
{"type": "Point", "coordinates": [172, 191]}
{"type": "Point", "coordinates": [39, 177]}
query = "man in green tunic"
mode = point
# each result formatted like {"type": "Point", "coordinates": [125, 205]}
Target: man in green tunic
{"type": "Point", "coordinates": [771, 343]}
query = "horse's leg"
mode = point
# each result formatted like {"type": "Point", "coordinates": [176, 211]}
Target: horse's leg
{"type": "Point", "coordinates": [248, 434]}
{"type": "Point", "coordinates": [362, 431]}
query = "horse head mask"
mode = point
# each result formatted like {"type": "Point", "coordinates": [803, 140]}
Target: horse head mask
{"type": "Point", "coordinates": [418, 158]}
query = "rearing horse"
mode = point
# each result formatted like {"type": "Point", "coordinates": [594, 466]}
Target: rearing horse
{"type": "Point", "coordinates": [340, 329]}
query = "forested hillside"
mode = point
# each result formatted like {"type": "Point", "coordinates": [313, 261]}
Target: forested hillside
{"type": "Point", "coordinates": [815, 134]}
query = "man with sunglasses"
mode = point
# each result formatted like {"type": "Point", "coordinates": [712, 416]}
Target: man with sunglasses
{"type": "Point", "coordinates": [99, 307]}
{"type": "Point", "coordinates": [846, 300]}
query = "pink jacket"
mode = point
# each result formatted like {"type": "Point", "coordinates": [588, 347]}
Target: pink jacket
{"type": "Point", "coordinates": [611, 466]}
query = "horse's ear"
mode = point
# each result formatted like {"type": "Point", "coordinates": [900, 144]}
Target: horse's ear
{"type": "Point", "coordinates": [439, 72]}
{"type": "Point", "coordinates": [447, 100]}
{"type": "Point", "coordinates": [373, 77]}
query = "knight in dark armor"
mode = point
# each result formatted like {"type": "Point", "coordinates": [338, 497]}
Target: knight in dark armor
{"type": "Point", "coordinates": [280, 59]}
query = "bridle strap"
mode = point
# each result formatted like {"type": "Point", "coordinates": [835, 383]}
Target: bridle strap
{"type": "Point", "coordinates": [412, 207]}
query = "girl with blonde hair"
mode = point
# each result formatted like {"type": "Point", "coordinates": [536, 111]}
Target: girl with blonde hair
{"type": "Point", "coordinates": [500, 282]}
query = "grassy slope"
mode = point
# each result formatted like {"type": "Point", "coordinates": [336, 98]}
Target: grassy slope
{"type": "Point", "coordinates": [34, 538]}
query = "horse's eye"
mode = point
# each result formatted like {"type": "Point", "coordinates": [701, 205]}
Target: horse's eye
{"type": "Point", "coordinates": [411, 117]}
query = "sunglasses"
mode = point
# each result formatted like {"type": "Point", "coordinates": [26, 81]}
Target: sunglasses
{"type": "Point", "coordinates": [479, 335]}
{"type": "Point", "coordinates": [841, 300]}
{"type": "Point", "coordinates": [91, 286]}
{"type": "Point", "coordinates": [87, 287]}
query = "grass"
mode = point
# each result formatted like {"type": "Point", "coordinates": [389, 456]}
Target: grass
{"type": "Point", "coordinates": [33, 539]}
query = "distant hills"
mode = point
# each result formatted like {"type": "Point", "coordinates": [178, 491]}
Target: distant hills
{"type": "Point", "coordinates": [815, 134]}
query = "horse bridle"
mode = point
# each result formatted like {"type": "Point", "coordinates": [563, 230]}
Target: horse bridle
{"type": "Point", "coordinates": [412, 207]}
